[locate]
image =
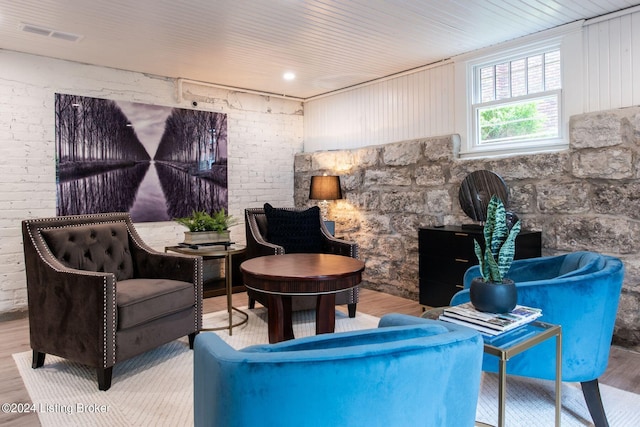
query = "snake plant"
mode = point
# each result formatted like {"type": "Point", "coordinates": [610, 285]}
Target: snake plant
{"type": "Point", "coordinates": [500, 243]}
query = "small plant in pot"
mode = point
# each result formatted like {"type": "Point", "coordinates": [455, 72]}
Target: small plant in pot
{"type": "Point", "coordinates": [493, 292]}
{"type": "Point", "coordinates": [205, 227]}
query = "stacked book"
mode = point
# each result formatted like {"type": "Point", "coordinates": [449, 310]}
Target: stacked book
{"type": "Point", "coordinates": [491, 324]}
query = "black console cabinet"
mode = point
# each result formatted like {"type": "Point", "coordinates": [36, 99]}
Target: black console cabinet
{"type": "Point", "coordinates": [445, 253]}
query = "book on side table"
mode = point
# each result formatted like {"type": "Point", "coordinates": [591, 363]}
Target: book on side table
{"type": "Point", "coordinates": [490, 324]}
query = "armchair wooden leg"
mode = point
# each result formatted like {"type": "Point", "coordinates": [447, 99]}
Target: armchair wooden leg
{"type": "Point", "coordinates": [104, 378]}
{"type": "Point", "coordinates": [38, 359]}
{"type": "Point", "coordinates": [192, 338]}
{"type": "Point", "coordinates": [252, 303]}
{"type": "Point", "coordinates": [352, 309]}
{"type": "Point", "coordinates": [591, 392]}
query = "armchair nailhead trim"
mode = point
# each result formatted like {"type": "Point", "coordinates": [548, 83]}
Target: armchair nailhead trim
{"type": "Point", "coordinates": [106, 340]}
{"type": "Point", "coordinates": [197, 278]}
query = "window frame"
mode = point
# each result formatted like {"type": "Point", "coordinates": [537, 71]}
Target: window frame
{"type": "Point", "coordinates": [476, 104]}
{"type": "Point", "coordinates": [568, 39]}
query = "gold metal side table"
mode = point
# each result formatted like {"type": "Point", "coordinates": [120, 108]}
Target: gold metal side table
{"type": "Point", "coordinates": [512, 343]}
{"type": "Point", "coordinates": [218, 252]}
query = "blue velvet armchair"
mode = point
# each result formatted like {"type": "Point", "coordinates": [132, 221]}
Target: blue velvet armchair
{"type": "Point", "coordinates": [580, 292]}
{"type": "Point", "coordinates": [398, 374]}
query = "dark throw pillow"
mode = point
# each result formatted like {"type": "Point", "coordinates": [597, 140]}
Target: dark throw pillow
{"type": "Point", "coordinates": [295, 231]}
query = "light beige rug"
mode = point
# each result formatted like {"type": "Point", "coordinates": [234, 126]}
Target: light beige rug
{"type": "Point", "coordinates": [156, 388]}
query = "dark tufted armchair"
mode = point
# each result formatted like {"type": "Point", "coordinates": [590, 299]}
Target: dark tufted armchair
{"type": "Point", "coordinates": [260, 242]}
{"type": "Point", "coordinates": [98, 295]}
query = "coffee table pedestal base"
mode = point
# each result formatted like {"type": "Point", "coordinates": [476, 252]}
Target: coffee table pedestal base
{"type": "Point", "coordinates": [280, 321]}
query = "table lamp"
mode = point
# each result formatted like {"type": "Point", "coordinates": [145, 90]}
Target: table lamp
{"type": "Point", "coordinates": [323, 188]}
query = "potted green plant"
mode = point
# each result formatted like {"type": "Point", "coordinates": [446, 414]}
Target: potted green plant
{"type": "Point", "coordinates": [206, 228]}
{"type": "Point", "coordinates": [493, 292]}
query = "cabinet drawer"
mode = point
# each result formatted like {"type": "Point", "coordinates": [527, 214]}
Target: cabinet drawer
{"type": "Point", "coordinates": [435, 293]}
{"type": "Point", "coordinates": [444, 269]}
{"type": "Point", "coordinates": [447, 244]}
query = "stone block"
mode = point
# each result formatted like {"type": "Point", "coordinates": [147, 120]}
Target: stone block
{"type": "Point", "coordinates": [327, 160]}
{"type": "Point", "coordinates": [372, 225]}
{"type": "Point", "coordinates": [378, 270]}
{"type": "Point", "coordinates": [613, 163]}
{"type": "Point", "coordinates": [352, 181]}
{"type": "Point", "coordinates": [366, 157]}
{"type": "Point", "coordinates": [402, 201]}
{"type": "Point", "coordinates": [402, 153]}
{"type": "Point", "coordinates": [391, 248]}
{"type": "Point", "coordinates": [438, 202]}
{"type": "Point", "coordinates": [302, 162]}
{"type": "Point", "coordinates": [563, 197]}
{"type": "Point", "coordinates": [442, 148]}
{"type": "Point", "coordinates": [459, 169]}
{"type": "Point", "coordinates": [367, 200]}
{"type": "Point", "coordinates": [631, 273]}
{"type": "Point", "coordinates": [430, 175]}
{"type": "Point", "coordinates": [594, 233]}
{"type": "Point", "coordinates": [522, 199]}
{"type": "Point", "coordinates": [627, 332]}
{"type": "Point", "coordinates": [621, 199]}
{"type": "Point", "coordinates": [592, 130]}
{"type": "Point", "coordinates": [534, 166]}
{"type": "Point", "coordinates": [346, 224]}
{"type": "Point", "coordinates": [387, 177]}
{"type": "Point", "coordinates": [406, 224]}
{"type": "Point", "coordinates": [632, 125]}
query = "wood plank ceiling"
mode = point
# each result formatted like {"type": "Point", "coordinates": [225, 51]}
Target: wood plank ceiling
{"type": "Point", "coordinates": [328, 44]}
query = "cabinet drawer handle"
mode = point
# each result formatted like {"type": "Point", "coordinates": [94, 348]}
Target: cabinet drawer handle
{"type": "Point", "coordinates": [460, 286]}
{"type": "Point", "coordinates": [461, 234]}
{"type": "Point", "coordinates": [461, 260]}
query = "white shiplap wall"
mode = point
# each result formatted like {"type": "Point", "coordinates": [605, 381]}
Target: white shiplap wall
{"type": "Point", "coordinates": [612, 58]}
{"type": "Point", "coordinates": [395, 109]}
{"type": "Point", "coordinates": [421, 104]}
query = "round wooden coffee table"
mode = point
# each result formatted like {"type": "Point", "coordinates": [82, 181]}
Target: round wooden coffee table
{"type": "Point", "coordinates": [283, 276]}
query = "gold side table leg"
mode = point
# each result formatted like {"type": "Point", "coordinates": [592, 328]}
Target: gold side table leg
{"type": "Point", "coordinates": [502, 391]}
{"type": "Point", "coordinates": [228, 277]}
{"type": "Point", "coordinates": [558, 377]}
{"type": "Point", "coordinates": [229, 284]}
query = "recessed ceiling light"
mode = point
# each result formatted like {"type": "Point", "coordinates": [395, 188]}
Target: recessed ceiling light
{"type": "Point", "coordinates": [288, 75]}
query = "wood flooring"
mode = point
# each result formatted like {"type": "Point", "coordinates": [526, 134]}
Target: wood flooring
{"type": "Point", "coordinates": [623, 371]}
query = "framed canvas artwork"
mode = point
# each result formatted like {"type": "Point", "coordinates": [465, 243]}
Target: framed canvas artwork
{"type": "Point", "coordinates": [156, 162]}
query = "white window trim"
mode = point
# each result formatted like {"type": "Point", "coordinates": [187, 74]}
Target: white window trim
{"type": "Point", "coordinates": [568, 39]}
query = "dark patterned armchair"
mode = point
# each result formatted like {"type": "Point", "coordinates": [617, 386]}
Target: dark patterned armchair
{"type": "Point", "coordinates": [294, 230]}
{"type": "Point", "coordinates": [98, 295]}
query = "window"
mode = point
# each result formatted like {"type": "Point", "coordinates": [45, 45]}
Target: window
{"type": "Point", "coordinates": [516, 101]}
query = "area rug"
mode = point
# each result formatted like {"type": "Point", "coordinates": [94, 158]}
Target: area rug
{"type": "Point", "coordinates": [155, 388]}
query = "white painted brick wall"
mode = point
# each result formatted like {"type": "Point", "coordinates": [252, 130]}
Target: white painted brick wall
{"type": "Point", "coordinates": [264, 134]}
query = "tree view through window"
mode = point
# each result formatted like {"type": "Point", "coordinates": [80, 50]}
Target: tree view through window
{"type": "Point", "coordinates": [519, 99]}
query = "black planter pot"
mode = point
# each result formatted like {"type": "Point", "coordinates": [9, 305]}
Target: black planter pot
{"type": "Point", "coordinates": [493, 297]}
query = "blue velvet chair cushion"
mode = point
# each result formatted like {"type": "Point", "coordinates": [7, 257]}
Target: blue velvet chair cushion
{"type": "Point", "coordinates": [295, 231]}
{"type": "Point", "coordinates": [579, 291]}
{"type": "Point", "coordinates": [400, 374]}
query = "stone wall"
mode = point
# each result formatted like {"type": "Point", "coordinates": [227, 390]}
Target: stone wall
{"type": "Point", "coordinates": [583, 198]}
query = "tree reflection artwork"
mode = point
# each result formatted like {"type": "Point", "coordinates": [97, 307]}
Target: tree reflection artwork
{"type": "Point", "coordinates": [155, 162]}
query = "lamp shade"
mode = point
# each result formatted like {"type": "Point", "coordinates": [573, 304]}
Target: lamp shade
{"type": "Point", "coordinates": [325, 188]}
